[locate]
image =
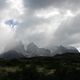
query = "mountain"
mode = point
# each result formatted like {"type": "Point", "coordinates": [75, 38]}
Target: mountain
{"type": "Point", "coordinates": [20, 49]}
{"type": "Point", "coordinates": [62, 49]}
{"type": "Point", "coordinates": [34, 50]}
{"type": "Point", "coordinates": [15, 53]}
{"type": "Point", "coordinates": [11, 55]}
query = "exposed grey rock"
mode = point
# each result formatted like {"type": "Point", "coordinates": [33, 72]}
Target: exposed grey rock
{"type": "Point", "coordinates": [34, 50]}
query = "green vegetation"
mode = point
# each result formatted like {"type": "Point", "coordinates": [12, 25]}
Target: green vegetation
{"type": "Point", "coordinates": [59, 67]}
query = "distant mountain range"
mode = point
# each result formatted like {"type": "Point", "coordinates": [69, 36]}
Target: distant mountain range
{"type": "Point", "coordinates": [33, 51]}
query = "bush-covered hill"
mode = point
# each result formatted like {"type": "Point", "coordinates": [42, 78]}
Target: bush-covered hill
{"type": "Point", "coordinates": [60, 67]}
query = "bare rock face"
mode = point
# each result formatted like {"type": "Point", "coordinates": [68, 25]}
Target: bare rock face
{"type": "Point", "coordinates": [20, 49]}
{"type": "Point", "coordinates": [34, 50]}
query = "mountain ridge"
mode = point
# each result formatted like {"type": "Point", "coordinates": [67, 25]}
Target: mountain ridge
{"type": "Point", "coordinates": [34, 51]}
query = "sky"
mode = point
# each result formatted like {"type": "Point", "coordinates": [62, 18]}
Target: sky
{"type": "Point", "coordinates": [45, 22]}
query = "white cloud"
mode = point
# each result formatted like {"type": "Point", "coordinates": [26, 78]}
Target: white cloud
{"type": "Point", "coordinates": [13, 10]}
{"type": "Point", "coordinates": [16, 6]}
{"type": "Point", "coordinates": [7, 36]}
{"type": "Point", "coordinates": [47, 13]}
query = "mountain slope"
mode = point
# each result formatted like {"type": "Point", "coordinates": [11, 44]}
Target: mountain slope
{"type": "Point", "coordinates": [33, 50]}
{"type": "Point", "coordinates": [12, 55]}
{"type": "Point", "coordinates": [61, 49]}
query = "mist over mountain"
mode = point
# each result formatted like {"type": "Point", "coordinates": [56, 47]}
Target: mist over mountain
{"type": "Point", "coordinates": [11, 55]}
{"type": "Point", "coordinates": [33, 50]}
{"type": "Point", "coordinates": [63, 49]}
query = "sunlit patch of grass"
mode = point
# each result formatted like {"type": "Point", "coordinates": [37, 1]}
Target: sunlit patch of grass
{"type": "Point", "coordinates": [28, 65]}
{"type": "Point", "coordinates": [9, 69]}
{"type": "Point", "coordinates": [45, 71]}
{"type": "Point", "coordinates": [77, 68]}
{"type": "Point", "coordinates": [50, 72]}
{"type": "Point", "coordinates": [40, 69]}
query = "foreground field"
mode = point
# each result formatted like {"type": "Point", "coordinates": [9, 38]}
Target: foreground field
{"type": "Point", "coordinates": [40, 68]}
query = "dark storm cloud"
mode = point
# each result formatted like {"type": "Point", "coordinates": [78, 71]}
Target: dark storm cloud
{"type": "Point", "coordinates": [65, 4]}
{"type": "Point", "coordinates": [3, 3]}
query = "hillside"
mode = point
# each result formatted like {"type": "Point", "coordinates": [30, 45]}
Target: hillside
{"type": "Point", "coordinates": [60, 67]}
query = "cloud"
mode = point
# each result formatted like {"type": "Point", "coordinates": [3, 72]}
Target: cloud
{"type": "Point", "coordinates": [30, 29]}
{"type": "Point", "coordinates": [7, 38]}
{"type": "Point", "coordinates": [3, 3]}
{"type": "Point", "coordinates": [68, 32]}
{"type": "Point", "coordinates": [44, 22]}
{"type": "Point", "coordinates": [10, 14]}
{"type": "Point", "coordinates": [64, 4]}
{"type": "Point", "coordinates": [61, 18]}
{"type": "Point", "coordinates": [39, 29]}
